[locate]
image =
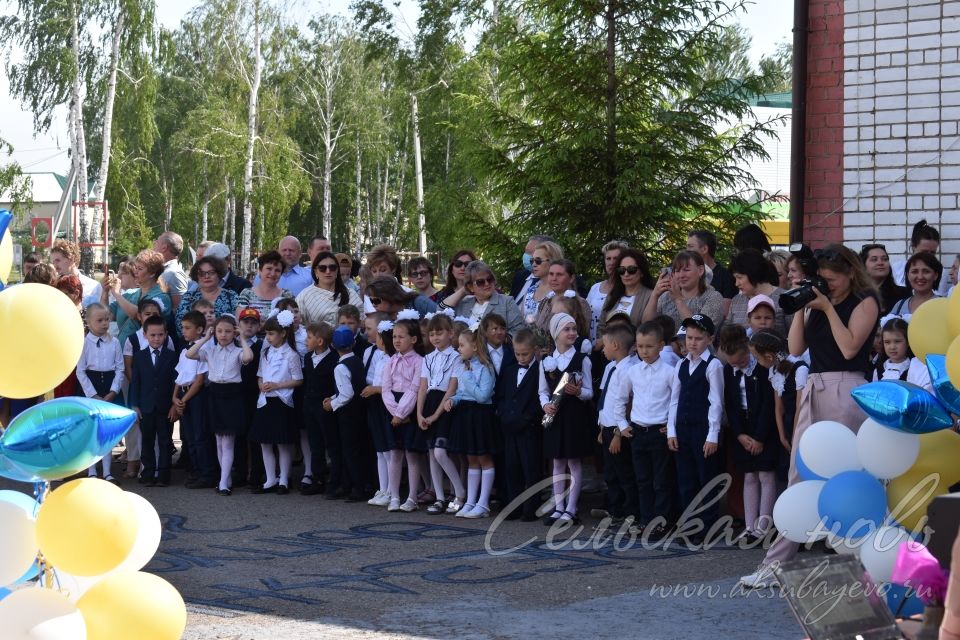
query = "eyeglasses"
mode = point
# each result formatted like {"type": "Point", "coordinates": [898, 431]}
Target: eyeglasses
{"type": "Point", "coordinates": [632, 270]}
{"type": "Point", "coordinates": [376, 301]}
{"type": "Point", "coordinates": [870, 247]}
{"type": "Point", "coordinates": [323, 268]}
{"type": "Point", "coordinates": [482, 282]}
{"type": "Point", "coordinates": [207, 274]}
{"type": "Point", "coordinates": [460, 264]}
{"type": "Point", "coordinates": [537, 261]}
{"type": "Point", "coordinates": [419, 274]}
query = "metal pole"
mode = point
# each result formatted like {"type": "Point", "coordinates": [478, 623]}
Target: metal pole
{"type": "Point", "coordinates": [418, 170]}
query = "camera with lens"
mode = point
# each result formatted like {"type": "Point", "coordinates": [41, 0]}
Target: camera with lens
{"type": "Point", "coordinates": [795, 299]}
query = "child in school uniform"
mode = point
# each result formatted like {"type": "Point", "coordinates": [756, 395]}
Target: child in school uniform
{"type": "Point", "coordinates": [347, 409]}
{"type": "Point", "coordinates": [300, 340]}
{"type": "Point", "coordinates": [275, 422]}
{"type": "Point", "coordinates": [788, 376]}
{"type": "Point", "coordinates": [493, 326]}
{"type": "Point", "coordinates": [622, 501]}
{"type": "Point", "coordinates": [399, 383]}
{"type": "Point", "coordinates": [517, 407]}
{"type": "Point", "coordinates": [378, 420]}
{"type": "Point", "coordinates": [472, 431]}
{"type": "Point", "coordinates": [349, 316]}
{"type": "Point", "coordinates": [646, 390]}
{"type": "Point", "coordinates": [224, 392]}
{"type": "Point", "coordinates": [438, 383]}
{"type": "Point", "coordinates": [153, 372]}
{"type": "Point", "coordinates": [749, 404]}
{"type": "Point", "coordinates": [190, 399]}
{"type": "Point", "coordinates": [100, 368]}
{"type": "Point", "coordinates": [248, 462]}
{"type": "Point", "coordinates": [668, 329]}
{"type": "Point", "coordinates": [570, 436]}
{"type": "Point", "coordinates": [693, 426]}
{"type": "Point", "coordinates": [897, 361]}
{"type": "Point", "coordinates": [319, 384]}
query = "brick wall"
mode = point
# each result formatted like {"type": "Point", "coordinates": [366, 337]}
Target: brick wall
{"type": "Point", "coordinates": [823, 211]}
{"type": "Point", "coordinates": [901, 150]}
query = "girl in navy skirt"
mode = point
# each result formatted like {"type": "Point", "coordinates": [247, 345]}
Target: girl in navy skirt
{"type": "Point", "coordinates": [438, 383]}
{"type": "Point", "coordinates": [473, 433]}
{"type": "Point", "coordinates": [399, 383]}
{"type": "Point", "coordinates": [569, 438]}
{"type": "Point", "coordinates": [225, 416]}
{"type": "Point", "coordinates": [275, 422]}
{"type": "Point", "coordinates": [378, 420]}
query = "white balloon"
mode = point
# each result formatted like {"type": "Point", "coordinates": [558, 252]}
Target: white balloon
{"type": "Point", "coordinates": [796, 513]}
{"type": "Point", "coordinates": [149, 531]}
{"type": "Point", "coordinates": [18, 542]}
{"type": "Point", "coordinates": [879, 551]}
{"type": "Point", "coordinates": [884, 452]}
{"type": "Point", "coordinates": [40, 614]}
{"type": "Point", "coordinates": [829, 448]}
{"type": "Point", "coordinates": [70, 586]}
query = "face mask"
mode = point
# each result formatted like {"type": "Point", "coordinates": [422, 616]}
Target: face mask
{"type": "Point", "coordinates": [527, 261]}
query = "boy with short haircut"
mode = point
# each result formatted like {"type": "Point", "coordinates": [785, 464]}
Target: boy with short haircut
{"type": "Point", "coordinates": [670, 353]}
{"type": "Point", "coordinates": [100, 368]}
{"type": "Point", "coordinates": [247, 465]}
{"type": "Point", "coordinates": [617, 456]}
{"type": "Point", "coordinates": [517, 405]}
{"type": "Point", "coordinates": [693, 426]}
{"type": "Point", "coordinates": [641, 414]}
{"type": "Point", "coordinates": [319, 384]}
{"type": "Point", "coordinates": [494, 329]}
{"type": "Point", "coordinates": [206, 307]}
{"type": "Point", "coordinates": [151, 394]}
{"type": "Point", "coordinates": [189, 401]}
{"type": "Point", "coordinates": [349, 315]}
{"type": "Point", "coordinates": [348, 412]}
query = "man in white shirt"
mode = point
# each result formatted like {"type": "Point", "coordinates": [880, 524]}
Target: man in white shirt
{"type": "Point", "coordinates": [170, 246]}
{"type": "Point", "coordinates": [65, 256]}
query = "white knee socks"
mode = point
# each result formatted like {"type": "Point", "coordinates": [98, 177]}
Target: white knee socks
{"type": "Point", "coordinates": [450, 469]}
{"type": "Point", "coordinates": [486, 486]}
{"type": "Point", "coordinates": [225, 457]}
{"type": "Point", "coordinates": [269, 465]}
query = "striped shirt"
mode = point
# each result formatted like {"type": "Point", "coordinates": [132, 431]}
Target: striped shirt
{"type": "Point", "coordinates": [320, 305]}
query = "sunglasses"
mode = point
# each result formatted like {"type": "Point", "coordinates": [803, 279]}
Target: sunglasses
{"type": "Point", "coordinates": [482, 282]}
{"type": "Point", "coordinates": [207, 274]}
{"type": "Point", "coordinates": [419, 274]}
{"type": "Point", "coordinates": [537, 260]}
{"type": "Point", "coordinates": [323, 268]}
{"type": "Point", "coordinates": [460, 264]}
{"type": "Point", "coordinates": [632, 270]}
{"type": "Point", "coordinates": [870, 247]}
{"type": "Point", "coordinates": [376, 301]}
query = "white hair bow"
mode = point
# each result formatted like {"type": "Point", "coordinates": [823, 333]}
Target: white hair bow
{"type": "Point", "coordinates": [285, 318]}
{"type": "Point", "coordinates": [408, 314]}
{"type": "Point", "coordinates": [384, 325]}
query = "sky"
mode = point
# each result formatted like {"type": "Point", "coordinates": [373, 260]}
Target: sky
{"type": "Point", "coordinates": [767, 21]}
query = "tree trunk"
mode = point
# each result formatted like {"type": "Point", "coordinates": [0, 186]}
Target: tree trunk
{"type": "Point", "coordinates": [396, 220]}
{"type": "Point", "coordinates": [101, 185]}
{"type": "Point", "coordinates": [611, 102]}
{"type": "Point", "coordinates": [359, 202]}
{"type": "Point", "coordinates": [226, 210]}
{"type": "Point", "coordinates": [206, 202]}
{"type": "Point", "coordinates": [80, 142]}
{"type": "Point", "coordinates": [251, 139]}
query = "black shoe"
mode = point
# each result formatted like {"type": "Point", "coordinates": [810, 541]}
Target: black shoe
{"type": "Point", "coordinates": [337, 494]}
{"type": "Point", "coordinates": [224, 492]}
{"type": "Point", "coordinates": [529, 517]}
{"type": "Point", "coordinates": [311, 489]}
{"type": "Point", "coordinates": [162, 483]}
{"type": "Point", "coordinates": [260, 489]}
{"type": "Point", "coordinates": [201, 484]}
{"type": "Point", "coordinates": [657, 533]}
{"type": "Point", "coordinates": [282, 489]}
{"type": "Point", "coordinates": [553, 517]}
{"type": "Point", "coordinates": [513, 515]}
{"type": "Point", "coordinates": [147, 481]}
{"type": "Point", "coordinates": [239, 482]}
{"type": "Point", "coordinates": [357, 497]}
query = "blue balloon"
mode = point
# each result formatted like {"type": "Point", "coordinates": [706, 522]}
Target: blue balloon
{"type": "Point", "coordinates": [803, 470]}
{"type": "Point", "coordinates": [902, 406]}
{"type": "Point", "coordinates": [58, 438]}
{"type": "Point", "coordinates": [942, 387]}
{"type": "Point", "coordinates": [5, 218]}
{"type": "Point", "coordinates": [4, 593]}
{"type": "Point", "coordinates": [853, 504]}
{"type": "Point", "coordinates": [896, 593]}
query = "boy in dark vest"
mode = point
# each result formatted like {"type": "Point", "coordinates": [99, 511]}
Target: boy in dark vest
{"type": "Point", "coordinates": [318, 384]}
{"type": "Point", "coordinates": [349, 413]}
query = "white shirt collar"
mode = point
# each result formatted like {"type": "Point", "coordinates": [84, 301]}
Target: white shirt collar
{"type": "Point", "coordinates": [751, 365]}
{"type": "Point", "coordinates": [105, 337]}
{"type": "Point", "coordinates": [899, 367]}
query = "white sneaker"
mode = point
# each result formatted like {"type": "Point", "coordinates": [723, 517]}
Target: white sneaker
{"type": "Point", "coordinates": [394, 504]}
{"type": "Point", "coordinates": [760, 579]}
{"type": "Point", "coordinates": [478, 511]}
{"type": "Point", "coordinates": [467, 508]}
{"type": "Point", "coordinates": [379, 499]}
{"type": "Point", "coordinates": [455, 505]}
{"type": "Point", "coordinates": [409, 505]}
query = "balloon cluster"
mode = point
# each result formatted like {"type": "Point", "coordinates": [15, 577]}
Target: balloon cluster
{"type": "Point", "coordinates": [85, 542]}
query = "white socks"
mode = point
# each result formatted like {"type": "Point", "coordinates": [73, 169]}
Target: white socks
{"type": "Point", "coordinates": [559, 484]}
{"type": "Point", "coordinates": [413, 474]}
{"type": "Point", "coordinates": [576, 482]}
{"type": "Point", "coordinates": [473, 485]}
{"type": "Point", "coordinates": [486, 486]}
{"type": "Point", "coordinates": [382, 476]}
{"type": "Point", "coordinates": [286, 462]}
{"type": "Point", "coordinates": [449, 468]}
{"type": "Point", "coordinates": [269, 465]}
{"type": "Point", "coordinates": [225, 458]}
{"type": "Point", "coordinates": [395, 469]}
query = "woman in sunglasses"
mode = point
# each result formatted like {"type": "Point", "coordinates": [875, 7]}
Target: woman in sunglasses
{"type": "Point", "coordinates": [630, 293]}
{"type": "Point", "coordinates": [267, 291]}
{"type": "Point", "coordinates": [877, 263]}
{"type": "Point", "coordinates": [420, 274]}
{"type": "Point", "coordinates": [598, 292]}
{"type": "Point", "coordinates": [543, 256]}
{"type": "Point", "coordinates": [482, 298]}
{"type": "Point", "coordinates": [456, 273]}
{"type": "Point", "coordinates": [320, 302]}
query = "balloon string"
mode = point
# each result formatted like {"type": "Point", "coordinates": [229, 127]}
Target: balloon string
{"type": "Point", "coordinates": [40, 491]}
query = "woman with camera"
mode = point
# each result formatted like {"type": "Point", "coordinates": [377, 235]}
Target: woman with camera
{"type": "Point", "coordinates": [838, 328]}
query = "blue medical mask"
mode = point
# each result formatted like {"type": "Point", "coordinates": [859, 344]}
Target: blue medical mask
{"type": "Point", "coordinates": [527, 261]}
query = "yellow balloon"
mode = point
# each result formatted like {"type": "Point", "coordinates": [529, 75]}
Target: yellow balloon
{"type": "Point", "coordinates": [953, 315]}
{"type": "Point", "coordinates": [86, 527]}
{"type": "Point", "coordinates": [909, 495]}
{"type": "Point", "coordinates": [953, 362]}
{"type": "Point", "coordinates": [41, 337]}
{"type": "Point", "coordinates": [134, 601]}
{"type": "Point", "coordinates": [6, 256]}
{"type": "Point", "coordinates": [928, 332]}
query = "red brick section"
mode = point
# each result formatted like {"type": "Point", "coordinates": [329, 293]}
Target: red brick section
{"type": "Point", "coordinates": [823, 200]}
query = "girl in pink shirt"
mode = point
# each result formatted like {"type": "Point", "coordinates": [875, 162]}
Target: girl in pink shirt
{"type": "Point", "coordinates": [400, 383]}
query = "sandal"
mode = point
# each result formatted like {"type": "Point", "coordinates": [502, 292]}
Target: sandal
{"type": "Point", "coordinates": [437, 508]}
